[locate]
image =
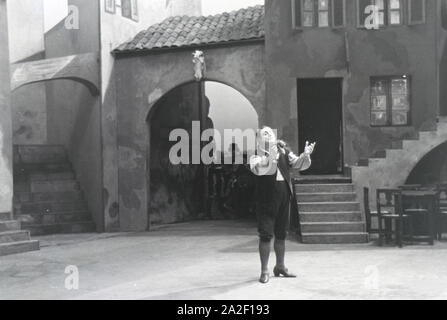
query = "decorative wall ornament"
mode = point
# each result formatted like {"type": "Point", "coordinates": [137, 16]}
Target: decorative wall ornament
{"type": "Point", "coordinates": [199, 65]}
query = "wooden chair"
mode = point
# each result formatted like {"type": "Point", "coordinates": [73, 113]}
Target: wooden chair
{"type": "Point", "coordinates": [389, 210]}
{"type": "Point", "coordinates": [369, 215]}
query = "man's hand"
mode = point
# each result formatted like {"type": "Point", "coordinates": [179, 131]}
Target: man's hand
{"type": "Point", "coordinates": [309, 149]}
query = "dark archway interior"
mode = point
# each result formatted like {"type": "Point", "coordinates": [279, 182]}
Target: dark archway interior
{"type": "Point", "coordinates": [432, 169]}
{"type": "Point", "coordinates": [180, 193]}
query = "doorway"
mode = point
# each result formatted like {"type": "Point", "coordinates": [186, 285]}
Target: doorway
{"type": "Point", "coordinates": [320, 119]}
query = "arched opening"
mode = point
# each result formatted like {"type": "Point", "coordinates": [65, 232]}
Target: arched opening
{"type": "Point", "coordinates": [432, 169]}
{"type": "Point", "coordinates": [57, 157]}
{"type": "Point", "coordinates": [187, 192]}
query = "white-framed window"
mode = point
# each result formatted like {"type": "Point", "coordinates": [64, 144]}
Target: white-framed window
{"type": "Point", "coordinates": [318, 13]}
{"type": "Point", "coordinates": [416, 12]}
{"type": "Point", "coordinates": [389, 12]}
{"type": "Point", "coordinates": [110, 6]}
{"type": "Point", "coordinates": [390, 101]}
{"type": "Point", "coordinates": [129, 9]}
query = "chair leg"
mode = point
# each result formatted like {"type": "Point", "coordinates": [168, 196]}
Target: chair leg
{"type": "Point", "coordinates": [388, 230]}
{"type": "Point", "coordinates": [380, 232]}
{"type": "Point", "coordinates": [410, 229]}
{"type": "Point", "coordinates": [399, 232]}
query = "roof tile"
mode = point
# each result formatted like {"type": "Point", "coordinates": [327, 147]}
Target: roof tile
{"type": "Point", "coordinates": [184, 31]}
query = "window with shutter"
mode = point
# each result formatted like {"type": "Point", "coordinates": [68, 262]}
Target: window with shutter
{"type": "Point", "coordinates": [296, 14]}
{"type": "Point", "coordinates": [361, 11]}
{"type": "Point", "coordinates": [129, 9]}
{"type": "Point", "coordinates": [318, 13]}
{"type": "Point", "coordinates": [416, 12]}
{"type": "Point", "coordinates": [390, 101]}
{"type": "Point", "coordinates": [338, 13]}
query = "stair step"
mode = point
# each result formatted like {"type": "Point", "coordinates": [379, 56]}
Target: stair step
{"type": "Point", "coordinates": [48, 207]}
{"type": "Point", "coordinates": [330, 216]}
{"type": "Point", "coordinates": [5, 216]}
{"type": "Point", "coordinates": [52, 176]}
{"type": "Point", "coordinates": [326, 197]}
{"type": "Point", "coordinates": [18, 247]}
{"type": "Point", "coordinates": [305, 207]}
{"type": "Point", "coordinates": [67, 228]}
{"type": "Point", "coordinates": [40, 154]}
{"type": "Point", "coordinates": [324, 227]}
{"type": "Point", "coordinates": [335, 238]}
{"type": "Point", "coordinates": [54, 218]}
{"type": "Point", "coordinates": [14, 236]}
{"type": "Point", "coordinates": [23, 197]}
{"type": "Point", "coordinates": [54, 186]}
{"type": "Point", "coordinates": [324, 188]}
{"type": "Point", "coordinates": [9, 225]}
{"type": "Point", "coordinates": [323, 179]}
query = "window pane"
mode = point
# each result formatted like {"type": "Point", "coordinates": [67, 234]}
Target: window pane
{"type": "Point", "coordinates": [308, 5]}
{"type": "Point", "coordinates": [399, 94]}
{"type": "Point", "coordinates": [297, 13]}
{"type": "Point", "coordinates": [381, 18]}
{"type": "Point", "coordinates": [400, 118]}
{"type": "Point", "coordinates": [379, 118]}
{"type": "Point", "coordinates": [134, 9]}
{"type": "Point", "coordinates": [338, 13]}
{"type": "Point", "coordinates": [308, 19]}
{"type": "Point", "coordinates": [417, 11]}
{"type": "Point", "coordinates": [323, 19]}
{"type": "Point", "coordinates": [395, 17]}
{"type": "Point", "coordinates": [394, 4]}
{"type": "Point", "coordinates": [323, 5]}
{"type": "Point", "coordinates": [379, 102]}
{"type": "Point", "coordinates": [126, 9]}
{"type": "Point", "coordinates": [362, 4]}
{"type": "Point", "coordinates": [380, 4]}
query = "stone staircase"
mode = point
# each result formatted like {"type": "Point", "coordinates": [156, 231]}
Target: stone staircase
{"type": "Point", "coordinates": [47, 196]}
{"type": "Point", "coordinates": [12, 239]}
{"type": "Point", "coordinates": [394, 166]}
{"type": "Point", "coordinates": [330, 213]}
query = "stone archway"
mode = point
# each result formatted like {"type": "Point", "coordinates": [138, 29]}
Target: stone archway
{"type": "Point", "coordinates": [176, 192]}
{"type": "Point", "coordinates": [141, 80]}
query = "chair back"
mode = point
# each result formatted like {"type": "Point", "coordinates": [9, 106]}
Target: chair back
{"type": "Point", "coordinates": [411, 187]}
{"type": "Point", "coordinates": [367, 208]}
{"type": "Point", "coordinates": [442, 192]}
{"type": "Point", "coordinates": [387, 201]}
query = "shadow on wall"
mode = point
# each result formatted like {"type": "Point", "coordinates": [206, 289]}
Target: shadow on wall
{"type": "Point", "coordinates": [432, 169]}
{"type": "Point", "coordinates": [75, 123]}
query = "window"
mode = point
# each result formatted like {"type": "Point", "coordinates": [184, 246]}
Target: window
{"type": "Point", "coordinates": [129, 9]}
{"type": "Point", "coordinates": [389, 12]}
{"type": "Point", "coordinates": [318, 13]}
{"type": "Point", "coordinates": [110, 6]}
{"type": "Point", "coordinates": [390, 101]}
{"type": "Point", "coordinates": [416, 12]}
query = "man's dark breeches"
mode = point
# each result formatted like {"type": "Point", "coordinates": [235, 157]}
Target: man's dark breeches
{"type": "Point", "coordinates": [273, 216]}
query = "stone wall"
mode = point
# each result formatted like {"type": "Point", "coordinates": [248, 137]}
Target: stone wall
{"type": "Point", "coordinates": [6, 182]}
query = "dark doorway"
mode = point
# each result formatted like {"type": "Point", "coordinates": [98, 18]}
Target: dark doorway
{"type": "Point", "coordinates": [320, 117]}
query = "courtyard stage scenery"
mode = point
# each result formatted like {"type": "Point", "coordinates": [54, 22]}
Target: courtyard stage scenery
{"type": "Point", "coordinates": [161, 149]}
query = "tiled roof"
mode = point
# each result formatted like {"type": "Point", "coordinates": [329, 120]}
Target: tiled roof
{"type": "Point", "coordinates": [185, 31]}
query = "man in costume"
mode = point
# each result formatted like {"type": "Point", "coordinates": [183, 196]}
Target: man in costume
{"type": "Point", "coordinates": [272, 165]}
